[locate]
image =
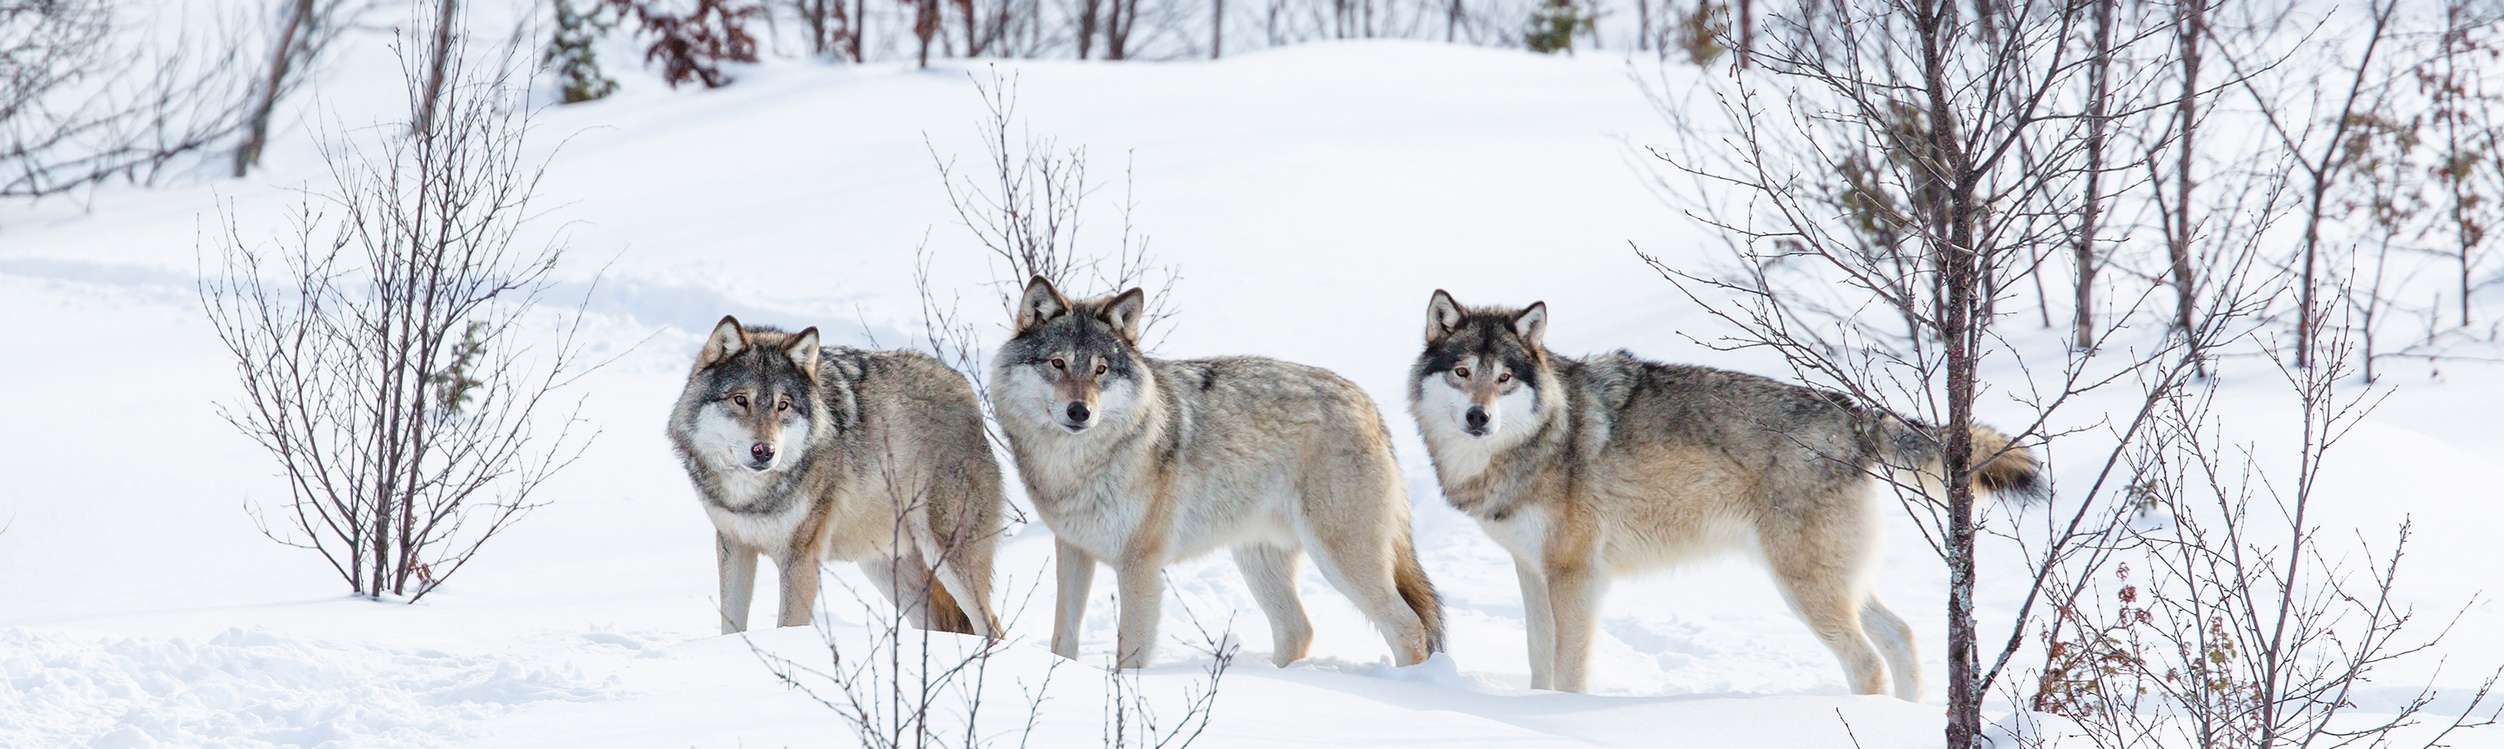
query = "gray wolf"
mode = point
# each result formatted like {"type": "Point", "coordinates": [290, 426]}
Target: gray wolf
{"type": "Point", "coordinates": [1137, 462]}
{"type": "Point", "coordinates": [1585, 469]}
{"type": "Point", "coordinates": [807, 453]}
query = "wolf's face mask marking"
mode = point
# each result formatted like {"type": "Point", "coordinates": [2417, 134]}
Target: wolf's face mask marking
{"type": "Point", "coordinates": [757, 394]}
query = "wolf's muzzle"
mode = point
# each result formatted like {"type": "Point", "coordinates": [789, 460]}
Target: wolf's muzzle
{"type": "Point", "coordinates": [1477, 419]}
{"type": "Point", "coordinates": [1076, 416]}
{"type": "Point", "coordinates": [760, 456]}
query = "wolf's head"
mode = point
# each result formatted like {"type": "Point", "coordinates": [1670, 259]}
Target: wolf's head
{"type": "Point", "coordinates": [753, 396]}
{"type": "Point", "coordinates": [1480, 375]}
{"type": "Point", "coordinates": [1072, 365]}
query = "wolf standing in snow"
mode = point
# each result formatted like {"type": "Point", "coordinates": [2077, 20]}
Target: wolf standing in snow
{"type": "Point", "coordinates": [1137, 462]}
{"type": "Point", "coordinates": [1588, 468]}
{"type": "Point", "coordinates": [876, 457]}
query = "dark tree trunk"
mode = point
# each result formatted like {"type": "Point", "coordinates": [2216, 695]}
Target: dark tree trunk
{"type": "Point", "coordinates": [1959, 267]}
{"type": "Point", "coordinates": [256, 131]}
{"type": "Point", "coordinates": [2191, 26]}
{"type": "Point", "coordinates": [1088, 10]}
{"type": "Point", "coordinates": [1217, 29]}
{"type": "Point", "coordinates": [2098, 96]}
{"type": "Point", "coordinates": [439, 59]}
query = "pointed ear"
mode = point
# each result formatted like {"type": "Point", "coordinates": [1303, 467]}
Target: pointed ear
{"type": "Point", "coordinates": [727, 340]}
{"type": "Point", "coordinates": [1128, 313]}
{"type": "Point", "coordinates": [1532, 325]}
{"type": "Point", "coordinates": [803, 351]}
{"type": "Point", "coordinates": [1040, 305]}
{"type": "Point", "coordinates": [1443, 315]}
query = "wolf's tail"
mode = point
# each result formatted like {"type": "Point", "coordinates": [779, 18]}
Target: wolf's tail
{"type": "Point", "coordinates": [2000, 468]}
{"type": "Point", "coordinates": [945, 614]}
{"type": "Point", "coordinates": [1419, 592]}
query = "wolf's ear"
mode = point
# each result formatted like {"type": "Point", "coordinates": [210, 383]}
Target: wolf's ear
{"type": "Point", "coordinates": [727, 340]}
{"type": "Point", "coordinates": [1041, 304]}
{"type": "Point", "coordinates": [1532, 325]}
{"type": "Point", "coordinates": [1443, 315]}
{"type": "Point", "coordinates": [803, 351]}
{"type": "Point", "coordinates": [1127, 313]}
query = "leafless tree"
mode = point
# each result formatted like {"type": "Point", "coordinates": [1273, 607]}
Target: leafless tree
{"type": "Point", "coordinates": [2249, 627]}
{"type": "Point", "coordinates": [2324, 155]}
{"type": "Point", "coordinates": [81, 104]}
{"type": "Point", "coordinates": [395, 358]}
{"type": "Point", "coordinates": [1965, 151]}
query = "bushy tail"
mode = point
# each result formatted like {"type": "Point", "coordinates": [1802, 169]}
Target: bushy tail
{"type": "Point", "coordinates": [1419, 592]}
{"type": "Point", "coordinates": [945, 615]}
{"type": "Point", "coordinates": [2000, 469]}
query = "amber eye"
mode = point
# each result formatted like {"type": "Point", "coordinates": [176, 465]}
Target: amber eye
{"type": "Point", "coordinates": [780, 406]}
{"type": "Point", "coordinates": [1460, 372]}
{"type": "Point", "coordinates": [1504, 377]}
{"type": "Point", "coordinates": [740, 398]}
{"type": "Point", "coordinates": [1058, 363]}
{"type": "Point", "coordinates": [1100, 367]}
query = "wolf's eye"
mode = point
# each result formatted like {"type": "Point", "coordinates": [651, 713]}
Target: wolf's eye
{"type": "Point", "coordinates": [1100, 367]}
{"type": "Point", "coordinates": [1059, 363]}
{"type": "Point", "coordinates": [781, 406]}
{"type": "Point", "coordinates": [1504, 377]}
{"type": "Point", "coordinates": [740, 398]}
{"type": "Point", "coordinates": [1460, 372]}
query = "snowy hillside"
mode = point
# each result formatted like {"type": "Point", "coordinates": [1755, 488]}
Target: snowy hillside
{"type": "Point", "coordinates": [1310, 197]}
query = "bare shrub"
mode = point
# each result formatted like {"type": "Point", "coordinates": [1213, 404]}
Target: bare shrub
{"type": "Point", "coordinates": [896, 683]}
{"type": "Point", "coordinates": [81, 105]}
{"type": "Point", "coordinates": [1025, 207]}
{"type": "Point", "coordinates": [691, 46]}
{"type": "Point", "coordinates": [390, 361]}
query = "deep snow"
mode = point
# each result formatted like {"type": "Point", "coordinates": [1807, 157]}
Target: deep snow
{"type": "Point", "coordinates": [1311, 198]}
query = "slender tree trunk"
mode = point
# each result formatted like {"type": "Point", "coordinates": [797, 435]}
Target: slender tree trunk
{"type": "Point", "coordinates": [925, 28]}
{"type": "Point", "coordinates": [1746, 10]}
{"type": "Point", "coordinates": [1217, 29]}
{"type": "Point", "coordinates": [1959, 266]}
{"type": "Point", "coordinates": [2098, 96]}
{"type": "Point", "coordinates": [859, 28]}
{"type": "Point", "coordinates": [1088, 10]}
{"type": "Point", "coordinates": [1452, 22]}
{"type": "Point", "coordinates": [439, 60]}
{"type": "Point", "coordinates": [2191, 25]}
{"type": "Point", "coordinates": [256, 130]}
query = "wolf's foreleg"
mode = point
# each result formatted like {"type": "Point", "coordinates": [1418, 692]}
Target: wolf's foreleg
{"type": "Point", "coordinates": [1075, 574]}
{"type": "Point", "coordinates": [1540, 621]}
{"type": "Point", "coordinates": [1141, 585]}
{"type": "Point", "coordinates": [737, 567]}
{"type": "Point", "coordinates": [799, 589]}
{"type": "Point", "coordinates": [1574, 603]}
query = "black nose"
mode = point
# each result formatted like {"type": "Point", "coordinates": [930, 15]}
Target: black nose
{"type": "Point", "coordinates": [1077, 412]}
{"type": "Point", "coordinates": [1477, 417]}
{"type": "Point", "coordinates": [763, 453]}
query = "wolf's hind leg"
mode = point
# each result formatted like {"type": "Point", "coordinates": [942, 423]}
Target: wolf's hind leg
{"type": "Point", "coordinates": [903, 581]}
{"type": "Point", "coordinates": [1358, 561]}
{"type": "Point", "coordinates": [1270, 572]}
{"type": "Point", "coordinates": [1824, 590]}
{"type": "Point", "coordinates": [736, 564]}
{"type": "Point", "coordinates": [1895, 641]}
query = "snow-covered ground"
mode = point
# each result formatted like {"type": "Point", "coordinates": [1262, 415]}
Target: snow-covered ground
{"type": "Point", "coordinates": [1311, 197]}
